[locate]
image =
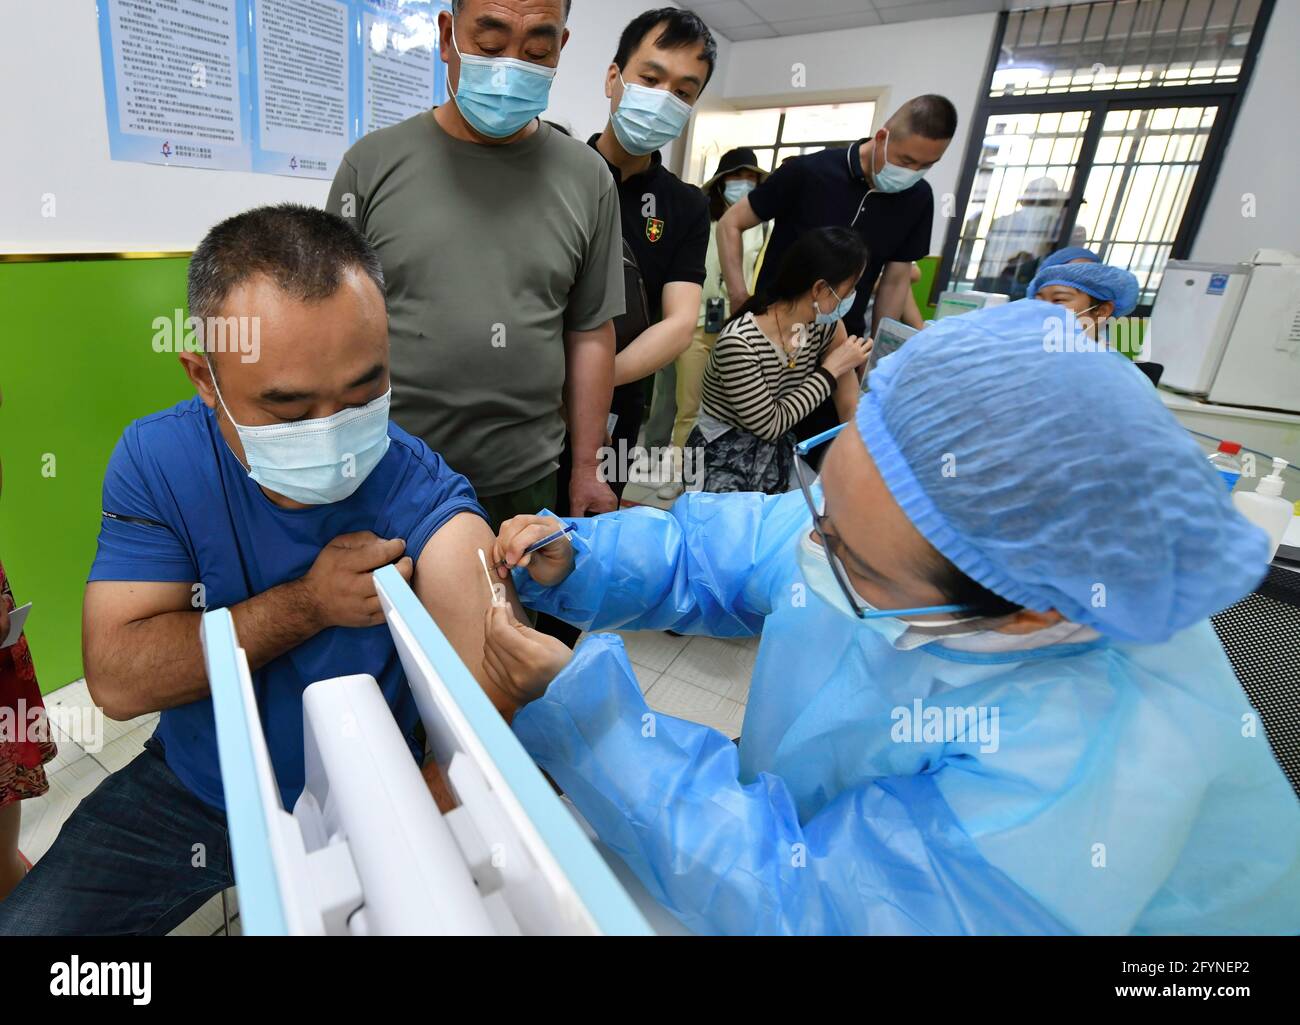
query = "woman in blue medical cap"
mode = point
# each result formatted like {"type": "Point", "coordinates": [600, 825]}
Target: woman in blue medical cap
{"type": "Point", "coordinates": [1093, 291]}
{"type": "Point", "coordinates": [1070, 254]}
{"type": "Point", "coordinates": [982, 702]}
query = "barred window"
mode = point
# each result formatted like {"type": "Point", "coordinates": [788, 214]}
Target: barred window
{"type": "Point", "coordinates": [1123, 44]}
{"type": "Point", "coordinates": [1103, 126]}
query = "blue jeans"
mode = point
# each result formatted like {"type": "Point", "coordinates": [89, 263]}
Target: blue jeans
{"type": "Point", "coordinates": [138, 857]}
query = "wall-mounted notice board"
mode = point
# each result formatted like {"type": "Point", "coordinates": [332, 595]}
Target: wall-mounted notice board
{"type": "Point", "coordinates": [274, 86]}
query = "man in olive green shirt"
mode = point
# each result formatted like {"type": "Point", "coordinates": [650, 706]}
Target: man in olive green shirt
{"type": "Point", "coordinates": [503, 263]}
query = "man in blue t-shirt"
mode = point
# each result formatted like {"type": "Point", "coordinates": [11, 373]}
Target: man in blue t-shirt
{"type": "Point", "coordinates": [274, 493]}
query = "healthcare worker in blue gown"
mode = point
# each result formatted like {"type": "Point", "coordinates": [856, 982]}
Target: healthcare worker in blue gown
{"type": "Point", "coordinates": [987, 697]}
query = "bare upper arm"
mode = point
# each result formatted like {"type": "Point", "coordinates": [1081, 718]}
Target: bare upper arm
{"type": "Point", "coordinates": [110, 605]}
{"type": "Point", "coordinates": [603, 336]}
{"type": "Point", "coordinates": [897, 273]}
{"type": "Point", "coordinates": [681, 301]}
{"type": "Point", "coordinates": [449, 581]}
{"type": "Point", "coordinates": [740, 216]}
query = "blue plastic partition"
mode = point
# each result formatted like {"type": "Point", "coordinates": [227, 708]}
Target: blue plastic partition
{"type": "Point", "coordinates": [611, 908]}
{"type": "Point", "coordinates": [252, 796]}
{"type": "Point", "coordinates": [261, 905]}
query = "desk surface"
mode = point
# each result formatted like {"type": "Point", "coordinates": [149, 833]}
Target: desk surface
{"type": "Point", "coordinates": [1188, 403]}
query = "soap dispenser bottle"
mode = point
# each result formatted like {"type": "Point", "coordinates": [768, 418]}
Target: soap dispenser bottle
{"type": "Point", "coordinates": [1265, 507]}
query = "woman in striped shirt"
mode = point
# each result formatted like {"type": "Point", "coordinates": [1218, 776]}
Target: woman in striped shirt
{"type": "Point", "coordinates": [779, 357]}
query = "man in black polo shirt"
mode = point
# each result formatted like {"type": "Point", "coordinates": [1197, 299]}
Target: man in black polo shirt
{"type": "Point", "coordinates": [876, 185]}
{"type": "Point", "coordinates": [665, 58]}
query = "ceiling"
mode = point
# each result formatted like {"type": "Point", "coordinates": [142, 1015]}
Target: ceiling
{"type": "Point", "coordinates": [766, 19]}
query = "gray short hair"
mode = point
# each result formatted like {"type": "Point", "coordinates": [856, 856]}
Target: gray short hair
{"type": "Point", "coordinates": [304, 250]}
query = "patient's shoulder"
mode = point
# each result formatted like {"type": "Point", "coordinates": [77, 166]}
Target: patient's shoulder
{"type": "Point", "coordinates": [166, 443]}
{"type": "Point", "coordinates": [426, 493]}
{"type": "Point", "coordinates": [420, 463]}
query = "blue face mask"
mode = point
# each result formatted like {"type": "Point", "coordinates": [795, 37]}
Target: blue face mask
{"type": "Point", "coordinates": [892, 178]}
{"type": "Point", "coordinates": [841, 311]}
{"type": "Point", "coordinates": [498, 96]}
{"type": "Point", "coordinates": [648, 119]}
{"type": "Point", "coordinates": [316, 462]}
{"type": "Point", "coordinates": [735, 191]}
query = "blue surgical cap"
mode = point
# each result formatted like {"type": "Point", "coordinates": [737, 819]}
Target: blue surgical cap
{"type": "Point", "coordinates": [1100, 280]}
{"type": "Point", "coordinates": [1049, 471]}
{"type": "Point", "coordinates": [1066, 255]}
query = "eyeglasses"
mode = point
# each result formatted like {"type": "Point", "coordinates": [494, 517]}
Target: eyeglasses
{"type": "Point", "coordinates": [807, 478]}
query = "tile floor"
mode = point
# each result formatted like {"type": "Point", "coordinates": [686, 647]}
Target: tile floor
{"type": "Point", "coordinates": [77, 771]}
{"type": "Point", "coordinates": [698, 678]}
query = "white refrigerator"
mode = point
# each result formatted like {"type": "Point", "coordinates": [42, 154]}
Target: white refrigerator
{"type": "Point", "coordinates": [1230, 333]}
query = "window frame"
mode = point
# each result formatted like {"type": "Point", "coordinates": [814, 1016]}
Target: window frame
{"type": "Point", "coordinates": [1226, 96]}
{"type": "Point", "coordinates": [780, 143]}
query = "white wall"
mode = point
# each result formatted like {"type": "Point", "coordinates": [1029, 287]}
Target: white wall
{"type": "Point", "coordinates": [948, 55]}
{"type": "Point", "coordinates": [54, 104]}
{"type": "Point", "coordinates": [56, 140]}
{"type": "Point", "coordinates": [887, 63]}
{"type": "Point", "coordinates": [1262, 156]}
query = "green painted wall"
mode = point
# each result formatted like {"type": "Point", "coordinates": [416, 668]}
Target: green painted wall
{"type": "Point", "coordinates": [929, 266]}
{"type": "Point", "coordinates": [77, 365]}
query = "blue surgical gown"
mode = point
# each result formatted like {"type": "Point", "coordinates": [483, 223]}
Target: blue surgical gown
{"type": "Point", "coordinates": [1108, 788]}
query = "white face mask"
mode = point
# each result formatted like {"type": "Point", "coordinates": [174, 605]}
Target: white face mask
{"type": "Point", "coordinates": [814, 564]}
{"type": "Point", "coordinates": [841, 309]}
{"type": "Point", "coordinates": [316, 462]}
{"type": "Point", "coordinates": [736, 190]}
{"type": "Point", "coordinates": [891, 177]}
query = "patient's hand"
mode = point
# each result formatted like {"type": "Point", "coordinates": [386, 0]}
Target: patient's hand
{"type": "Point", "coordinates": [340, 585]}
{"type": "Point", "coordinates": [519, 661]}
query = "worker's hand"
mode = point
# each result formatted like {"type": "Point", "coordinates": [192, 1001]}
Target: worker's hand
{"type": "Point", "coordinates": [339, 587]}
{"type": "Point", "coordinates": [588, 494]}
{"type": "Point", "coordinates": [737, 300]}
{"type": "Point", "coordinates": [548, 566]}
{"type": "Point", "coordinates": [519, 661]}
{"type": "Point", "coordinates": [849, 356]}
